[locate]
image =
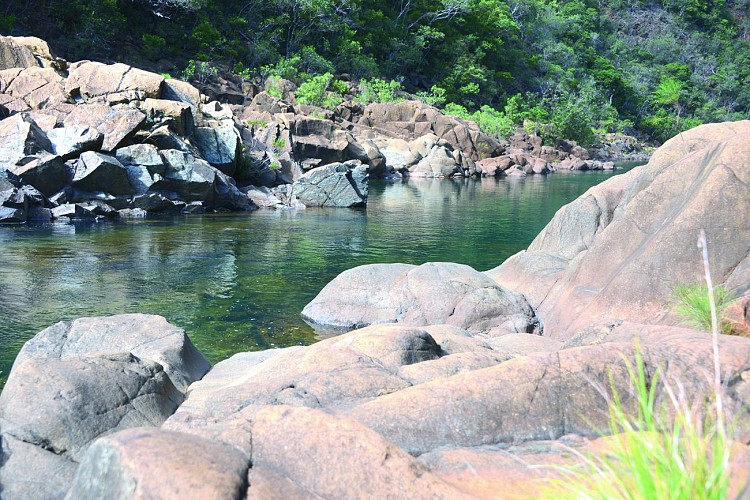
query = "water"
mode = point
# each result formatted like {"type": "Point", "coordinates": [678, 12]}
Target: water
{"type": "Point", "coordinates": [238, 282]}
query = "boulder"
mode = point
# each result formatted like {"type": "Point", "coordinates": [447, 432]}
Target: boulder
{"type": "Point", "coordinates": [83, 397]}
{"type": "Point", "coordinates": [177, 90]}
{"type": "Point", "coordinates": [141, 155]}
{"type": "Point", "coordinates": [195, 180]}
{"type": "Point", "coordinates": [116, 124]}
{"type": "Point", "coordinates": [433, 293]}
{"type": "Point", "coordinates": [12, 215]}
{"type": "Point", "coordinates": [98, 172]}
{"type": "Point", "coordinates": [14, 55]}
{"type": "Point", "coordinates": [175, 114]}
{"type": "Point", "coordinates": [336, 457]}
{"type": "Point", "coordinates": [334, 185]}
{"type": "Point", "coordinates": [153, 463]}
{"type": "Point", "coordinates": [38, 88]}
{"type": "Point", "coordinates": [493, 167]}
{"type": "Point", "coordinates": [617, 252]}
{"type": "Point", "coordinates": [547, 395]}
{"type": "Point", "coordinates": [220, 146]}
{"type": "Point", "coordinates": [324, 140]}
{"type": "Point", "coordinates": [69, 142]}
{"type": "Point", "coordinates": [89, 80]}
{"type": "Point", "coordinates": [143, 335]}
{"type": "Point", "coordinates": [20, 138]}
{"type": "Point", "coordinates": [47, 173]}
{"type": "Point", "coordinates": [439, 162]}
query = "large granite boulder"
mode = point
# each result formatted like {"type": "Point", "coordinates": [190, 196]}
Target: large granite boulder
{"type": "Point", "coordinates": [325, 141]}
{"type": "Point", "coordinates": [193, 179]}
{"type": "Point", "coordinates": [70, 142]}
{"type": "Point", "coordinates": [429, 294]}
{"type": "Point", "coordinates": [117, 124]}
{"type": "Point", "coordinates": [21, 140]}
{"type": "Point", "coordinates": [115, 82]}
{"type": "Point", "coordinates": [153, 463]}
{"type": "Point", "coordinates": [220, 146]}
{"type": "Point", "coordinates": [32, 88]}
{"type": "Point", "coordinates": [618, 252]}
{"type": "Point", "coordinates": [14, 55]}
{"type": "Point", "coordinates": [145, 336]}
{"type": "Point", "coordinates": [335, 185]}
{"type": "Point", "coordinates": [99, 172]}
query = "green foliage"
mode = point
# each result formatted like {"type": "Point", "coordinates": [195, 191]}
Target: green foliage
{"type": "Point", "coordinates": [490, 120]}
{"type": "Point", "coordinates": [377, 90]}
{"type": "Point", "coordinates": [273, 88]}
{"type": "Point", "coordinates": [199, 71]}
{"type": "Point", "coordinates": [279, 143]}
{"type": "Point", "coordinates": [651, 67]}
{"type": "Point", "coordinates": [318, 92]}
{"type": "Point", "coordinates": [166, 76]}
{"type": "Point", "coordinates": [435, 97]}
{"type": "Point", "coordinates": [693, 305]}
{"type": "Point", "coordinates": [680, 452]}
{"type": "Point", "coordinates": [153, 45]}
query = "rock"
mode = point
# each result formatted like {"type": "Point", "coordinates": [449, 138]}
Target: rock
{"type": "Point", "coordinates": [72, 211]}
{"type": "Point", "coordinates": [46, 172]}
{"type": "Point", "coordinates": [410, 120]}
{"type": "Point", "coordinates": [493, 167]}
{"type": "Point", "coordinates": [38, 88]}
{"type": "Point", "coordinates": [336, 457]}
{"type": "Point", "coordinates": [153, 463]}
{"type": "Point", "coordinates": [333, 373]}
{"type": "Point", "coordinates": [12, 215]}
{"type": "Point", "coordinates": [29, 471]}
{"type": "Point", "coordinates": [69, 142]}
{"type": "Point", "coordinates": [13, 55]}
{"type": "Point", "coordinates": [324, 140]}
{"type": "Point", "coordinates": [195, 180]}
{"type": "Point", "coordinates": [736, 317]}
{"type": "Point", "coordinates": [116, 124]}
{"type": "Point", "coordinates": [98, 172]}
{"type": "Point", "coordinates": [220, 146]}
{"type": "Point", "coordinates": [433, 293]}
{"type": "Point", "coordinates": [20, 137]}
{"type": "Point", "coordinates": [114, 81]}
{"type": "Point", "coordinates": [617, 252]}
{"type": "Point", "coordinates": [543, 396]}
{"type": "Point", "coordinates": [83, 398]}
{"type": "Point", "coordinates": [146, 336]}
{"type": "Point", "coordinates": [177, 90]}
{"type": "Point", "coordinates": [265, 103]}
{"type": "Point", "coordinates": [177, 115]}
{"type": "Point", "coordinates": [142, 155]}
{"type": "Point", "coordinates": [335, 185]}
{"type": "Point", "coordinates": [439, 162]}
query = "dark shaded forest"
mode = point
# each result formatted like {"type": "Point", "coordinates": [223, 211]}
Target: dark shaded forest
{"type": "Point", "coordinates": [644, 67]}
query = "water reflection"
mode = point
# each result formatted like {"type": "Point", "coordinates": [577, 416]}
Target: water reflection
{"type": "Point", "coordinates": [238, 282]}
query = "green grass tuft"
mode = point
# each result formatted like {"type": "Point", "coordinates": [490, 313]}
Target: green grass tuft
{"type": "Point", "coordinates": [679, 451]}
{"type": "Point", "coordinates": [693, 305]}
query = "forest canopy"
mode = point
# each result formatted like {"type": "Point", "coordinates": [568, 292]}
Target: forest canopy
{"type": "Point", "coordinates": [645, 67]}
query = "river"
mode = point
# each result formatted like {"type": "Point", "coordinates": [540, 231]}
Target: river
{"type": "Point", "coordinates": [237, 282]}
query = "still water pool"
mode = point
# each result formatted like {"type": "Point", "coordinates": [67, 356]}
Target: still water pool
{"type": "Point", "coordinates": [238, 282]}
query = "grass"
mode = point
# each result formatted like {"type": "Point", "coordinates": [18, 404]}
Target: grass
{"type": "Point", "coordinates": [693, 305]}
{"type": "Point", "coordinates": [676, 451]}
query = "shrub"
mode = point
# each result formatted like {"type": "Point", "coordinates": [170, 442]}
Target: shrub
{"type": "Point", "coordinates": [316, 92]}
{"type": "Point", "coordinates": [153, 45]}
{"type": "Point", "coordinates": [377, 90]}
{"type": "Point", "coordinates": [199, 71]}
{"type": "Point", "coordinates": [693, 305]}
{"type": "Point", "coordinates": [435, 97]}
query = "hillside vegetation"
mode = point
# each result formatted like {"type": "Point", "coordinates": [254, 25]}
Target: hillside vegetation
{"type": "Point", "coordinates": [644, 67]}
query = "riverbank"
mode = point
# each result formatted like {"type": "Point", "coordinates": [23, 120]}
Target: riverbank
{"type": "Point", "coordinates": [456, 395]}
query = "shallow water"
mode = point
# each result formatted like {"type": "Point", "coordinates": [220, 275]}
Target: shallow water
{"type": "Point", "coordinates": [238, 282]}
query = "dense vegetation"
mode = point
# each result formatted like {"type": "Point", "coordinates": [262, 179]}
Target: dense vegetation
{"type": "Point", "coordinates": [649, 67]}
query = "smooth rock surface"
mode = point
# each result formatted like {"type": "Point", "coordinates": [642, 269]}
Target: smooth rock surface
{"type": "Point", "coordinates": [433, 293]}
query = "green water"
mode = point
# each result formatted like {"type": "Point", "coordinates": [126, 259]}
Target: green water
{"type": "Point", "coordinates": [238, 282]}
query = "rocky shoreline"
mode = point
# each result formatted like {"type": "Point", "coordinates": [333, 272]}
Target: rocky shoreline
{"type": "Point", "coordinates": [91, 140]}
{"type": "Point", "coordinates": [453, 384]}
